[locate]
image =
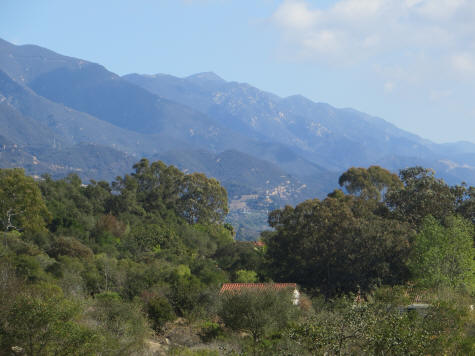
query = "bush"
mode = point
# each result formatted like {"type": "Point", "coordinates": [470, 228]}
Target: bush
{"type": "Point", "coordinates": [159, 311]}
{"type": "Point", "coordinates": [122, 324]}
{"type": "Point", "coordinates": [69, 246]}
{"type": "Point", "coordinates": [41, 321]}
{"type": "Point", "coordinates": [258, 313]}
{"type": "Point", "coordinates": [243, 276]}
{"type": "Point", "coordinates": [210, 331]}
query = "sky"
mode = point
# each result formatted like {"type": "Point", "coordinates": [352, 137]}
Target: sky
{"type": "Point", "coordinates": [410, 62]}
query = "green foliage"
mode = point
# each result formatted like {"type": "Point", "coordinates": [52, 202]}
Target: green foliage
{"type": "Point", "coordinates": [159, 311]}
{"type": "Point", "coordinates": [444, 255]}
{"type": "Point", "coordinates": [185, 293]}
{"type": "Point", "coordinates": [181, 351]}
{"type": "Point", "coordinates": [210, 331]}
{"type": "Point", "coordinates": [71, 210]}
{"type": "Point", "coordinates": [22, 207]}
{"type": "Point", "coordinates": [203, 200]}
{"type": "Point", "coordinates": [369, 183]}
{"type": "Point", "coordinates": [122, 325]}
{"type": "Point", "coordinates": [29, 268]}
{"type": "Point", "coordinates": [41, 321]}
{"type": "Point", "coordinates": [382, 326]}
{"type": "Point", "coordinates": [258, 313]}
{"type": "Point", "coordinates": [194, 197]}
{"type": "Point", "coordinates": [151, 238]}
{"type": "Point", "coordinates": [337, 245]}
{"type": "Point", "coordinates": [121, 260]}
{"type": "Point", "coordinates": [239, 256]}
{"type": "Point", "coordinates": [69, 246]}
{"type": "Point", "coordinates": [465, 197]}
{"type": "Point", "coordinates": [423, 194]}
{"type": "Point", "coordinates": [244, 276]}
{"type": "Point", "coordinates": [336, 330]}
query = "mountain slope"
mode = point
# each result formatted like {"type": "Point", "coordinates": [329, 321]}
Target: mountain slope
{"type": "Point", "coordinates": [244, 174]}
{"type": "Point", "coordinates": [335, 139]}
{"type": "Point", "coordinates": [88, 161]}
{"type": "Point", "coordinates": [50, 122]}
{"type": "Point", "coordinates": [123, 115]}
{"type": "Point", "coordinates": [89, 88]}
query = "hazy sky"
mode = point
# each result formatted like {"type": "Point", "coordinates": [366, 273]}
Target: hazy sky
{"type": "Point", "coordinates": [411, 62]}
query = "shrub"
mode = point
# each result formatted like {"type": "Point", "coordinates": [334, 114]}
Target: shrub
{"type": "Point", "coordinates": [69, 246]}
{"type": "Point", "coordinates": [159, 311]}
{"type": "Point", "coordinates": [258, 313]}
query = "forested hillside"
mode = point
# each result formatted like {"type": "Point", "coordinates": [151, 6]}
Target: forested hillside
{"type": "Point", "coordinates": [134, 267]}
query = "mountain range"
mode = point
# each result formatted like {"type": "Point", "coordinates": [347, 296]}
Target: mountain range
{"type": "Point", "coordinates": [60, 114]}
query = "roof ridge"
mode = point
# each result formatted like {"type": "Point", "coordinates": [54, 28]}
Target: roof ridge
{"type": "Point", "coordinates": [257, 286]}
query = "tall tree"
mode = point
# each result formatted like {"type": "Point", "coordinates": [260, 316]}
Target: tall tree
{"type": "Point", "coordinates": [203, 200]}
{"type": "Point", "coordinates": [423, 194]}
{"type": "Point", "coordinates": [444, 255]}
{"type": "Point", "coordinates": [336, 245]}
{"type": "Point", "coordinates": [371, 183]}
{"type": "Point", "coordinates": [21, 204]}
{"type": "Point", "coordinates": [157, 188]}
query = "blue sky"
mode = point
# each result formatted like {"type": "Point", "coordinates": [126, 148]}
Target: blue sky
{"type": "Point", "coordinates": [411, 62]}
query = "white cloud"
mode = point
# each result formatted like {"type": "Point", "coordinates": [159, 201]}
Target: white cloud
{"type": "Point", "coordinates": [296, 15]}
{"type": "Point", "coordinates": [415, 34]}
{"type": "Point", "coordinates": [441, 10]}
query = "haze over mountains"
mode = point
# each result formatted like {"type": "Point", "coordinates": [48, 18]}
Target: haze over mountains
{"type": "Point", "coordinates": [61, 114]}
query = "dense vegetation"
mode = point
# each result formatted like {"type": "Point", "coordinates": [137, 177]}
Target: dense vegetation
{"type": "Point", "coordinates": [135, 267]}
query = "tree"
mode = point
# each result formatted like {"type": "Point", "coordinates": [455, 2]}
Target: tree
{"type": "Point", "coordinates": [150, 237]}
{"type": "Point", "coordinates": [423, 194]}
{"type": "Point", "coordinates": [336, 245]}
{"type": "Point", "coordinates": [69, 205]}
{"type": "Point", "coordinates": [21, 204]}
{"type": "Point", "coordinates": [444, 255]}
{"type": "Point", "coordinates": [159, 189]}
{"type": "Point", "coordinates": [41, 321]}
{"type": "Point", "coordinates": [239, 256]}
{"type": "Point", "coordinates": [258, 312]}
{"type": "Point", "coordinates": [203, 200]}
{"type": "Point", "coordinates": [158, 185]}
{"type": "Point", "coordinates": [465, 201]}
{"type": "Point", "coordinates": [371, 183]}
{"type": "Point", "coordinates": [244, 276]}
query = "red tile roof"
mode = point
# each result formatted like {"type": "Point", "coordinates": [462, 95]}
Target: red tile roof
{"type": "Point", "coordinates": [256, 286]}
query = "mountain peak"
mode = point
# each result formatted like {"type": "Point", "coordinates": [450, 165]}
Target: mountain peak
{"type": "Point", "coordinates": [297, 98]}
{"type": "Point", "coordinates": [206, 76]}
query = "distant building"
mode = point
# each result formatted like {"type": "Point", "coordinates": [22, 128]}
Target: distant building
{"type": "Point", "coordinates": [238, 287]}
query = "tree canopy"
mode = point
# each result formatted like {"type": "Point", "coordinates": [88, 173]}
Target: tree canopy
{"type": "Point", "coordinates": [22, 206]}
{"type": "Point", "coordinates": [337, 245]}
{"type": "Point", "coordinates": [370, 183]}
